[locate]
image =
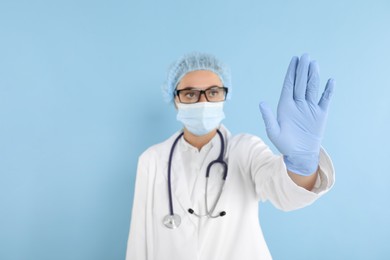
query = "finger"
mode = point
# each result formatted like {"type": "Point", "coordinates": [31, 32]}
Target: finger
{"type": "Point", "coordinates": [301, 78]}
{"type": "Point", "coordinates": [326, 95]}
{"type": "Point", "coordinates": [271, 124]}
{"type": "Point", "coordinates": [289, 80]}
{"type": "Point", "coordinates": [313, 83]}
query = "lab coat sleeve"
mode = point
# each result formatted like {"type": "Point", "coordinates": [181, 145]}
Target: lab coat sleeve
{"type": "Point", "coordinates": [137, 247]}
{"type": "Point", "coordinates": [272, 182]}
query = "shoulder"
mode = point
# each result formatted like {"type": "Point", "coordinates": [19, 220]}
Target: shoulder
{"type": "Point", "coordinates": [239, 139]}
{"type": "Point", "coordinates": [245, 140]}
{"type": "Point", "coordinates": [241, 142]}
{"type": "Point", "coordinates": [246, 147]}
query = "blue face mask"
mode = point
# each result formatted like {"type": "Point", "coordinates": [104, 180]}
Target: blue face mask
{"type": "Point", "coordinates": [202, 117]}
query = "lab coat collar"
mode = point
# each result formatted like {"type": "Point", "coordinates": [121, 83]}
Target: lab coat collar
{"type": "Point", "coordinates": [215, 140]}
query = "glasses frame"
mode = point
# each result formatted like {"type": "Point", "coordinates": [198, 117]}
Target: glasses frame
{"type": "Point", "coordinates": [202, 92]}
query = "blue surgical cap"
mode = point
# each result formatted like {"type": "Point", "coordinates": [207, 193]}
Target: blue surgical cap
{"type": "Point", "coordinates": [191, 62]}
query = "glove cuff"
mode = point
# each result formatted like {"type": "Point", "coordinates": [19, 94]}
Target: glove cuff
{"type": "Point", "coordinates": [305, 164]}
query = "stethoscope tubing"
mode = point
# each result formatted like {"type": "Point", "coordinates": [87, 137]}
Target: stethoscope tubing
{"type": "Point", "coordinates": [171, 217]}
{"type": "Point", "coordinates": [169, 174]}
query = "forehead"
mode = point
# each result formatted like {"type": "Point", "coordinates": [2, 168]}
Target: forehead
{"type": "Point", "coordinates": [200, 79]}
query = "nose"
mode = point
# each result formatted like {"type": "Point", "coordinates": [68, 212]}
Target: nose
{"type": "Point", "coordinates": [202, 97]}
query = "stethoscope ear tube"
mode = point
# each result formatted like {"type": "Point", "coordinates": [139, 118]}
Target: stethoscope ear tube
{"type": "Point", "coordinates": [221, 214]}
{"type": "Point", "coordinates": [221, 162]}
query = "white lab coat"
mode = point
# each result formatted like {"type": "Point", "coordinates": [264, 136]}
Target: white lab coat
{"type": "Point", "coordinates": [255, 174]}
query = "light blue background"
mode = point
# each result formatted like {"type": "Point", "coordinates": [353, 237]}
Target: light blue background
{"type": "Point", "coordinates": [80, 100]}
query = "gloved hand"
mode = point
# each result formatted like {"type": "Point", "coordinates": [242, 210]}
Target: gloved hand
{"type": "Point", "coordinates": [298, 130]}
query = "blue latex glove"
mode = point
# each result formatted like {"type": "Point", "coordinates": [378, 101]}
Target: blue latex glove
{"type": "Point", "coordinates": [298, 130]}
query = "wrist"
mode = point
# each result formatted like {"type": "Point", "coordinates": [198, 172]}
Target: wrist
{"type": "Point", "coordinates": [302, 164]}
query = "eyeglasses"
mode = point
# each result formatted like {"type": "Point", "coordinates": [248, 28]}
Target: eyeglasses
{"type": "Point", "coordinates": [191, 95]}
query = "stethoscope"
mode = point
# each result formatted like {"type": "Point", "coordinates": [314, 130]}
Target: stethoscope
{"type": "Point", "coordinates": [173, 220]}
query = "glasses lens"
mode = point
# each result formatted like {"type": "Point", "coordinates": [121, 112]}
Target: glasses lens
{"type": "Point", "coordinates": [216, 94]}
{"type": "Point", "coordinates": [189, 95]}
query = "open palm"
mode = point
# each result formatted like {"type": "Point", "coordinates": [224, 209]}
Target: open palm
{"type": "Point", "coordinates": [298, 129]}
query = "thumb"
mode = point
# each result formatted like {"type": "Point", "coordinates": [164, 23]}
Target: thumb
{"type": "Point", "coordinates": [271, 124]}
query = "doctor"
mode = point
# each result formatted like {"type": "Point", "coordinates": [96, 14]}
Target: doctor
{"type": "Point", "coordinates": [197, 193]}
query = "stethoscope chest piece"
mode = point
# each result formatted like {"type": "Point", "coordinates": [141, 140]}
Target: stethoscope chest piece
{"type": "Point", "coordinates": [172, 221]}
